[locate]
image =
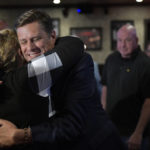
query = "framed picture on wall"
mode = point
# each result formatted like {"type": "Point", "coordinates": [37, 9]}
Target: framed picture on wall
{"type": "Point", "coordinates": [147, 32]}
{"type": "Point", "coordinates": [115, 25]}
{"type": "Point", "coordinates": [56, 25]}
{"type": "Point", "coordinates": [91, 36]}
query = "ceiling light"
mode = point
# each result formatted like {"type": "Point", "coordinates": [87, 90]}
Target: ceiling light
{"type": "Point", "coordinates": [56, 1]}
{"type": "Point", "coordinates": [139, 1]}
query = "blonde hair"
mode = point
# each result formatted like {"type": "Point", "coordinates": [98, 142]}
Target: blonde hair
{"type": "Point", "coordinates": [9, 47]}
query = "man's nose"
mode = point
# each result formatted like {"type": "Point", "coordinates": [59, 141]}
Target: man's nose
{"type": "Point", "coordinates": [30, 45]}
{"type": "Point", "coordinates": [123, 43]}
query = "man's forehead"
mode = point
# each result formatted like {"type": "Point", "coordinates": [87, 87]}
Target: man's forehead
{"type": "Point", "coordinates": [126, 33]}
{"type": "Point", "coordinates": [28, 31]}
{"type": "Point", "coordinates": [128, 30]}
{"type": "Point", "coordinates": [33, 25]}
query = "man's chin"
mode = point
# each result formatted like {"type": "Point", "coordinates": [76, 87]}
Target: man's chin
{"type": "Point", "coordinates": [126, 55]}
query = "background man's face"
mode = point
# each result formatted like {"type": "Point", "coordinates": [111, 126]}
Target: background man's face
{"type": "Point", "coordinates": [34, 41]}
{"type": "Point", "coordinates": [126, 43]}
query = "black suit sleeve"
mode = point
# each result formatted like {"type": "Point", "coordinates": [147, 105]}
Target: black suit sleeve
{"type": "Point", "coordinates": [69, 49]}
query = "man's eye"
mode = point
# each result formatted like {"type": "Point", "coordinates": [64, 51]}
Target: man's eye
{"type": "Point", "coordinates": [36, 39]}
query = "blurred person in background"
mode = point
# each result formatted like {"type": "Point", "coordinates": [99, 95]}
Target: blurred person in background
{"type": "Point", "coordinates": [147, 50]}
{"type": "Point", "coordinates": [3, 24]}
{"type": "Point", "coordinates": [125, 92]}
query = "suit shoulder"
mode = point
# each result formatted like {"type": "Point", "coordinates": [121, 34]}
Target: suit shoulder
{"type": "Point", "coordinates": [87, 58]}
{"type": "Point", "coordinates": [86, 62]}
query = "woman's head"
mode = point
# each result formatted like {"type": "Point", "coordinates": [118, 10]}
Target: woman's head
{"type": "Point", "coordinates": [9, 47]}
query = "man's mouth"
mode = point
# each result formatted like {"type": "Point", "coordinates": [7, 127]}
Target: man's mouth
{"type": "Point", "coordinates": [33, 55]}
{"type": "Point", "coordinates": [124, 50]}
{"type": "Point", "coordinates": [34, 52]}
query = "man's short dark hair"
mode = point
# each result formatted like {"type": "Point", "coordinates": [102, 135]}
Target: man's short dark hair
{"type": "Point", "coordinates": [35, 15]}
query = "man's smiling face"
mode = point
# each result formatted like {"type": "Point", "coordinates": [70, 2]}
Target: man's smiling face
{"type": "Point", "coordinates": [34, 41]}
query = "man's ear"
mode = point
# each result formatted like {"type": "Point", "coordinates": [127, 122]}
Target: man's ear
{"type": "Point", "coordinates": [53, 34]}
{"type": "Point", "coordinates": [53, 38]}
{"type": "Point", "coordinates": [137, 39]}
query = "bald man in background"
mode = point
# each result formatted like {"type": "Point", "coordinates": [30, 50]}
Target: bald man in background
{"type": "Point", "coordinates": [126, 85]}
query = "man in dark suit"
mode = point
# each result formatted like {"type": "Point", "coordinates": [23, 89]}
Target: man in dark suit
{"type": "Point", "coordinates": [76, 118]}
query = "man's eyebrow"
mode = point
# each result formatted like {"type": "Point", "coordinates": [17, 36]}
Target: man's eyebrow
{"type": "Point", "coordinates": [21, 39]}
